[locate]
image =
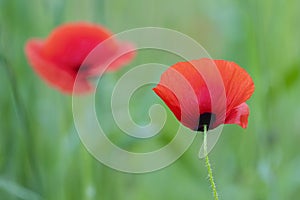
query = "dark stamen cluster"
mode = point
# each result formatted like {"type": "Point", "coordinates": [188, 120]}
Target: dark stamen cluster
{"type": "Point", "coordinates": [206, 119]}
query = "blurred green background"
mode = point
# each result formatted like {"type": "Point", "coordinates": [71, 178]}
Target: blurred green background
{"type": "Point", "coordinates": [41, 156]}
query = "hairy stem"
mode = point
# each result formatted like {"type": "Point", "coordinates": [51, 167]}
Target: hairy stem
{"type": "Point", "coordinates": [208, 166]}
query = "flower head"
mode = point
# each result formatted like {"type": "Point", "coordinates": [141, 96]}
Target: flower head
{"type": "Point", "coordinates": [58, 58]}
{"type": "Point", "coordinates": [194, 93]}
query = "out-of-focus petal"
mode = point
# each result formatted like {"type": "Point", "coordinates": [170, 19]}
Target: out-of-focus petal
{"type": "Point", "coordinates": [64, 56]}
{"type": "Point", "coordinates": [124, 58]}
{"type": "Point", "coordinates": [49, 71]}
{"type": "Point", "coordinates": [69, 44]}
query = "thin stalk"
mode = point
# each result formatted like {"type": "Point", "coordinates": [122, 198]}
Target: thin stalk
{"type": "Point", "coordinates": [208, 166]}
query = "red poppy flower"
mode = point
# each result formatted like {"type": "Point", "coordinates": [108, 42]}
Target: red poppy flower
{"type": "Point", "coordinates": [58, 58]}
{"type": "Point", "coordinates": [185, 89]}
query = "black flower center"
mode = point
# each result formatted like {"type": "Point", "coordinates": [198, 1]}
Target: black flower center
{"type": "Point", "coordinates": [206, 119]}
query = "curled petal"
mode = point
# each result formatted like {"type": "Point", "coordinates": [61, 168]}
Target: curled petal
{"type": "Point", "coordinates": [239, 115]}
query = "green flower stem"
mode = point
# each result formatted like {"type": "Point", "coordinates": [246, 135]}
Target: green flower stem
{"type": "Point", "coordinates": [208, 166]}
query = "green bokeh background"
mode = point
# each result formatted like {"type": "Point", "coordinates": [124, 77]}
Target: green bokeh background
{"type": "Point", "coordinates": [41, 156]}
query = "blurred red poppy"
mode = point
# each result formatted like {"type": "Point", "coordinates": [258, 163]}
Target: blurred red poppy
{"type": "Point", "coordinates": [235, 82]}
{"type": "Point", "coordinates": [57, 59]}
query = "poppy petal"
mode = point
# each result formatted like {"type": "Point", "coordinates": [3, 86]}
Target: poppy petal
{"type": "Point", "coordinates": [63, 55]}
{"type": "Point", "coordinates": [169, 98]}
{"type": "Point", "coordinates": [185, 80]}
{"type": "Point", "coordinates": [221, 87]}
{"type": "Point", "coordinates": [69, 44]}
{"type": "Point", "coordinates": [238, 115]}
{"type": "Point", "coordinates": [238, 84]}
{"type": "Point", "coordinates": [49, 71]}
{"type": "Point", "coordinates": [179, 93]}
{"type": "Point", "coordinates": [127, 52]}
